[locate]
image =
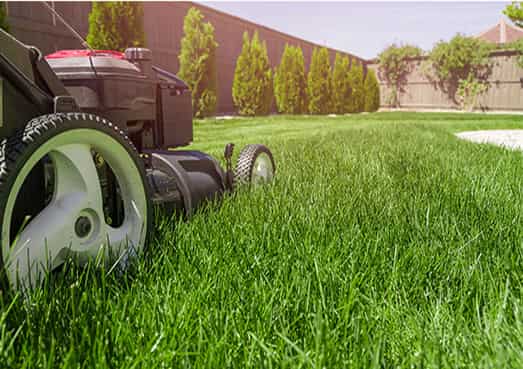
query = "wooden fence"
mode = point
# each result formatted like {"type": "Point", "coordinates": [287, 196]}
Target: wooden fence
{"type": "Point", "coordinates": [505, 92]}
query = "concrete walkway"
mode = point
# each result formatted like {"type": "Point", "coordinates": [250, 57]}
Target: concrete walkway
{"type": "Point", "coordinates": [508, 138]}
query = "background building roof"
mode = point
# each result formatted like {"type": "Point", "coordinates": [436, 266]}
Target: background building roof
{"type": "Point", "coordinates": [502, 33]}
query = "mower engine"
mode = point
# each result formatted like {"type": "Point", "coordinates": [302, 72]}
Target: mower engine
{"type": "Point", "coordinates": [88, 143]}
{"type": "Point", "coordinates": [154, 108]}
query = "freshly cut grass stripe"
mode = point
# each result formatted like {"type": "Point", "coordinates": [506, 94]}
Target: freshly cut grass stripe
{"type": "Point", "coordinates": [385, 241]}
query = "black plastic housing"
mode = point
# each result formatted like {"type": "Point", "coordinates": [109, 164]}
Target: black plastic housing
{"type": "Point", "coordinates": [120, 91]}
{"type": "Point", "coordinates": [109, 87]}
{"type": "Point", "coordinates": [194, 175]}
{"type": "Point", "coordinates": [176, 111]}
{"type": "Point", "coordinates": [24, 94]}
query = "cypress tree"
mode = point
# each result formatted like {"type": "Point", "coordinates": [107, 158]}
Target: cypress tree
{"type": "Point", "coordinates": [372, 92]}
{"type": "Point", "coordinates": [290, 85]}
{"type": "Point", "coordinates": [319, 82]}
{"type": "Point", "coordinates": [116, 25]}
{"type": "Point", "coordinates": [357, 100]}
{"type": "Point", "coordinates": [360, 92]}
{"type": "Point", "coordinates": [341, 89]}
{"type": "Point", "coordinates": [198, 63]}
{"type": "Point", "coordinates": [252, 89]}
{"type": "Point", "coordinates": [3, 17]}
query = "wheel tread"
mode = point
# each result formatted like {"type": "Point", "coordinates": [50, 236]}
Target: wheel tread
{"type": "Point", "coordinates": [245, 162]}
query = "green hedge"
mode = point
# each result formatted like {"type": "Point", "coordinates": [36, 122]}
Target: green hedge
{"type": "Point", "coordinates": [116, 25]}
{"type": "Point", "coordinates": [198, 63]}
{"type": "Point", "coordinates": [319, 82]}
{"type": "Point", "coordinates": [252, 89]}
{"type": "Point", "coordinates": [290, 84]}
{"type": "Point", "coordinates": [341, 88]}
{"type": "Point", "coordinates": [372, 92]}
{"type": "Point", "coordinates": [3, 17]}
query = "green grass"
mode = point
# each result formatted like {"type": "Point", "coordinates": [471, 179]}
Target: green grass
{"type": "Point", "coordinates": [384, 242]}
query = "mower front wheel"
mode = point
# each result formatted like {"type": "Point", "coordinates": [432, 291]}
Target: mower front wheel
{"type": "Point", "coordinates": [71, 185]}
{"type": "Point", "coordinates": [255, 166]}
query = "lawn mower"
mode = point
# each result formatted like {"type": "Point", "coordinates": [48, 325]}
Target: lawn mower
{"type": "Point", "coordinates": [86, 152]}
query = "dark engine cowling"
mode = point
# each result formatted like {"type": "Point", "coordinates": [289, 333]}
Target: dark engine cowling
{"type": "Point", "coordinates": [152, 105]}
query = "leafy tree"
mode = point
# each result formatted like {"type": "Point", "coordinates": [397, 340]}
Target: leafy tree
{"type": "Point", "coordinates": [319, 82]}
{"type": "Point", "coordinates": [469, 90]}
{"type": "Point", "coordinates": [3, 17]}
{"type": "Point", "coordinates": [394, 67]}
{"type": "Point", "coordinates": [459, 59]}
{"type": "Point", "coordinates": [198, 63]}
{"type": "Point", "coordinates": [515, 12]}
{"type": "Point", "coordinates": [517, 45]}
{"type": "Point", "coordinates": [341, 88]}
{"type": "Point", "coordinates": [290, 84]}
{"type": "Point", "coordinates": [252, 89]}
{"type": "Point", "coordinates": [356, 81]}
{"type": "Point", "coordinates": [116, 25]}
{"type": "Point", "coordinates": [372, 92]}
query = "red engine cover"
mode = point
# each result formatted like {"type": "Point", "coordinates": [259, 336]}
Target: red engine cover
{"type": "Point", "coordinates": [84, 53]}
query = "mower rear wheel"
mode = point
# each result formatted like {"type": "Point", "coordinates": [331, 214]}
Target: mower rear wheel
{"type": "Point", "coordinates": [255, 165]}
{"type": "Point", "coordinates": [80, 173]}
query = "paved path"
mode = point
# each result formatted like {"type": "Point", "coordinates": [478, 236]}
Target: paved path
{"type": "Point", "coordinates": [509, 138]}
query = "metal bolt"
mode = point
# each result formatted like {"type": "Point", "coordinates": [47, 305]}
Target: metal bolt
{"type": "Point", "coordinates": [82, 226]}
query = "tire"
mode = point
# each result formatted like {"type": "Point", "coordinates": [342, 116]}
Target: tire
{"type": "Point", "coordinates": [52, 162]}
{"type": "Point", "coordinates": [255, 166]}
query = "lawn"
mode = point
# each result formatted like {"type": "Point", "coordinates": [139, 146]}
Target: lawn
{"type": "Point", "coordinates": [384, 242]}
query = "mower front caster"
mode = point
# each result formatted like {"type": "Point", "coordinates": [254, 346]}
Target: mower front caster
{"type": "Point", "coordinates": [71, 185]}
{"type": "Point", "coordinates": [255, 166]}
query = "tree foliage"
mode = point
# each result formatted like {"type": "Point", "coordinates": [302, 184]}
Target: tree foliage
{"type": "Point", "coordinates": [356, 81]}
{"type": "Point", "coordinates": [341, 88]}
{"type": "Point", "coordinates": [319, 82]}
{"type": "Point", "coordinates": [394, 67]}
{"type": "Point", "coordinates": [515, 12]}
{"type": "Point", "coordinates": [372, 92]}
{"type": "Point", "coordinates": [3, 17]}
{"type": "Point", "coordinates": [290, 84]}
{"type": "Point", "coordinates": [459, 59]}
{"type": "Point", "coordinates": [116, 25]}
{"type": "Point", "coordinates": [198, 63]}
{"type": "Point", "coordinates": [252, 89]}
{"type": "Point", "coordinates": [516, 45]}
{"type": "Point", "coordinates": [469, 90]}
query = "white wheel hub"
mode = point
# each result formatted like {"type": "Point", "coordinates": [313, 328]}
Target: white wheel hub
{"type": "Point", "coordinates": [74, 221]}
{"type": "Point", "coordinates": [262, 170]}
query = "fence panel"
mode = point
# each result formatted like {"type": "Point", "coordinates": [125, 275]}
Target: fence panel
{"type": "Point", "coordinates": [505, 92]}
